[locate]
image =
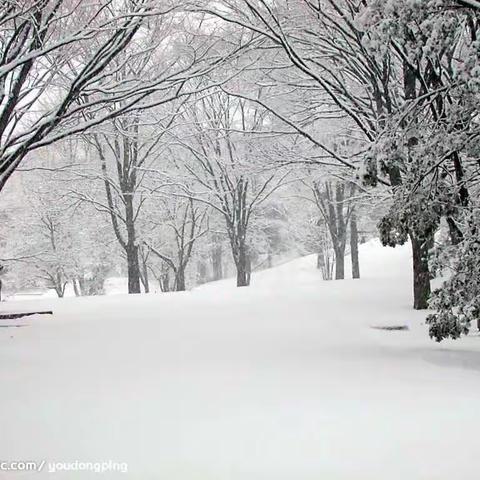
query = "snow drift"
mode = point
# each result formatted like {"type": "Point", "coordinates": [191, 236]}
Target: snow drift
{"type": "Point", "coordinates": [282, 380]}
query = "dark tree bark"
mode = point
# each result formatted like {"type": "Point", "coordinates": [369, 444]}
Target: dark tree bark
{"type": "Point", "coordinates": [133, 269]}
{"type": "Point", "coordinates": [133, 264]}
{"type": "Point", "coordinates": [420, 246]}
{"type": "Point", "coordinates": [237, 220]}
{"type": "Point", "coordinates": [243, 276]}
{"type": "Point", "coordinates": [421, 273]}
{"type": "Point", "coordinates": [354, 246]}
{"type": "Point", "coordinates": [340, 230]}
{"type": "Point", "coordinates": [339, 264]}
{"type": "Point", "coordinates": [125, 151]}
{"type": "Point", "coordinates": [82, 286]}
{"type": "Point", "coordinates": [76, 288]}
{"type": "Point", "coordinates": [456, 235]}
{"type": "Point", "coordinates": [243, 267]}
{"type": "Point", "coordinates": [180, 280]}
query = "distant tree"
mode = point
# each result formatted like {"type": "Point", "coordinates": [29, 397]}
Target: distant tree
{"type": "Point", "coordinates": [334, 202]}
{"type": "Point", "coordinates": [354, 244]}
{"type": "Point", "coordinates": [226, 150]}
{"type": "Point", "coordinates": [186, 223]}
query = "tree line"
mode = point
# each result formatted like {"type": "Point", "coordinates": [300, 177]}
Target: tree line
{"type": "Point", "coordinates": [200, 123]}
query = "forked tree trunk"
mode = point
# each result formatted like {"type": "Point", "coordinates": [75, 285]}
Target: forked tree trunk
{"type": "Point", "coordinates": [354, 246]}
{"type": "Point", "coordinates": [421, 273]}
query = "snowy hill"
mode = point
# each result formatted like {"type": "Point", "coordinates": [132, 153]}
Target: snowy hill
{"type": "Point", "coordinates": [282, 380]}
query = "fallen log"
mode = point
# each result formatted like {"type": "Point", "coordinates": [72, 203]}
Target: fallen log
{"type": "Point", "coordinates": [13, 315]}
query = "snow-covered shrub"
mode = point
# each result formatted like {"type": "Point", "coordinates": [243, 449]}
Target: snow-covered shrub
{"type": "Point", "coordinates": [457, 301]}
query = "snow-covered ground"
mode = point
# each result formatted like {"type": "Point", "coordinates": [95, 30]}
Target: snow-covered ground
{"type": "Point", "coordinates": [283, 380]}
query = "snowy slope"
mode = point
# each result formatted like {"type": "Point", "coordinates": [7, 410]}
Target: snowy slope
{"type": "Point", "coordinates": [283, 380]}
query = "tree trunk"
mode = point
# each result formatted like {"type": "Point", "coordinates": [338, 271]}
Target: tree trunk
{"type": "Point", "coordinates": [320, 261]}
{"type": "Point", "coordinates": [133, 264]}
{"type": "Point", "coordinates": [243, 276]}
{"type": "Point", "coordinates": [133, 269]}
{"type": "Point", "coordinates": [270, 260]}
{"type": "Point", "coordinates": [164, 282]}
{"type": "Point", "coordinates": [201, 272]}
{"type": "Point", "coordinates": [59, 285]}
{"type": "Point", "coordinates": [421, 273]}
{"type": "Point", "coordinates": [242, 264]}
{"type": "Point", "coordinates": [249, 268]}
{"type": "Point", "coordinates": [76, 288]}
{"type": "Point", "coordinates": [339, 264]}
{"type": "Point", "coordinates": [180, 279]}
{"type": "Point", "coordinates": [217, 261]}
{"type": "Point", "coordinates": [456, 235]}
{"type": "Point", "coordinates": [354, 246]}
{"type": "Point", "coordinates": [144, 277]}
{"type": "Point", "coordinates": [82, 286]}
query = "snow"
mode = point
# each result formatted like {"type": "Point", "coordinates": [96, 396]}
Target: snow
{"type": "Point", "coordinates": [112, 286]}
{"type": "Point", "coordinates": [282, 380]}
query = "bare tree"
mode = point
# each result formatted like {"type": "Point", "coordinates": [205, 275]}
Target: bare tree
{"type": "Point", "coordinates": [187, 223]}
{"type": "Point", "coordinates": [60, 62]}
{"type": "Point", "coordinates": [336, 209]}
{"type": "Point", "coordinates": [226, 144]}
